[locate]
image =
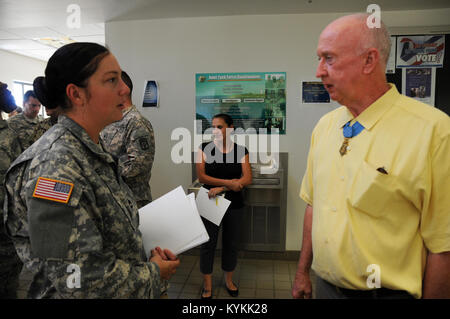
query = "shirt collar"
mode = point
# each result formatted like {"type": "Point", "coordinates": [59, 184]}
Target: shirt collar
{"type": "Point", "coordinates": [370, 116]}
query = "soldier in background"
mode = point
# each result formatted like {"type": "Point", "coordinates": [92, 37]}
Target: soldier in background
{"type": "Point", "coordinates": [10, 264]}
{"type": "Point", "coordinates": [26, 123]}
{"type": "Point", "coordinates": [132, 143]}
{"type": "Point", "coordinates": [46, 123]}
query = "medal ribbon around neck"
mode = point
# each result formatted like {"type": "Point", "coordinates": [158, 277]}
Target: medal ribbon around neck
{"type": "Point", "coordinates": [349, 132]}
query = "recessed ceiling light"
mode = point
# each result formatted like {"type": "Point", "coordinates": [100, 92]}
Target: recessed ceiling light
{"type": "Point", "coordinates": [55, 42]}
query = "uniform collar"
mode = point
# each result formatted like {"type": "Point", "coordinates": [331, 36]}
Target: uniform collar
{"type": "Point", "coordinates": [34, 121]}
{"type": "Point", "coordinates": [370, 116]}
{"type": "Point", "coordinates": [84, 137]}
{"type": "Point", "coordinates": [132, 107]}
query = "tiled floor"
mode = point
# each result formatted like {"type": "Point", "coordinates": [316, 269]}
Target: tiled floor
{"type": "Point", "coordinates": [256, 278]}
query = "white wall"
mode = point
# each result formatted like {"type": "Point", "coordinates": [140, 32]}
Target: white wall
{"type": "Point", "coordinates": [18, 67]}
{"type": "Point", "coordinates": [171, 51]}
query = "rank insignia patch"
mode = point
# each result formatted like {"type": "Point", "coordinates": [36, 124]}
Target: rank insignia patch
{"type": "Point", "coordinates": [54, 190]}
{"type": "Point", "coordinates": [144, 144]}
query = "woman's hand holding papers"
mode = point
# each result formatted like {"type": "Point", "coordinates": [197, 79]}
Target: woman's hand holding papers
{"type": "Point", "coordinates": [166, 261]}
{"type": "Point", "coordinates": [213, 192]}
{"type": "Point", "coordinates": [233, 184]}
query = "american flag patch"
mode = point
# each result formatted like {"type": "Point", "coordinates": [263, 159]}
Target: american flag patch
{"type": "Point", "coordinates": [54, 190]}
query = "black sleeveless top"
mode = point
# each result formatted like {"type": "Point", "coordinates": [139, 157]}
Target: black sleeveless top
{"type": "Point", "coordinates": [225, 166]}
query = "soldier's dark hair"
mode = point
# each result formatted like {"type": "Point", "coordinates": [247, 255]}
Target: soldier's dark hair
{"type": "Point", "coordinates": [225, 117]}
{"type": "Point", "coordinates": [7, 102]}
{"type": "Point", "coordinates": [72, 63]}
{"type": "Point", "coordinates": [127, 80]}
{"type": "Point", "coordinates": [29, 94]}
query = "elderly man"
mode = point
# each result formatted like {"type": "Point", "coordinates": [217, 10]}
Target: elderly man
{"type": "Point", "coordinates": [26, 123]}
{"type": "Point", "coordinates": [377, 223]}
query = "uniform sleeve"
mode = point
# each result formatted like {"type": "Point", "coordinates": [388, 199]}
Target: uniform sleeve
{"type": "Point", "coordinates": [306, 190]}
{"type": "Point", "coordinates": [140, 150]}
{"type": "Point", "coordinates": [101, 273]}
{"type": "Point", "coordinates": [9, 151]}
{"type": "Point", "coordinates": [65, 241]}
{"type": "Point", "coordinates": [435, 221]}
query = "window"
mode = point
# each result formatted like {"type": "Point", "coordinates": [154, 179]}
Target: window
{"type": "Point", "coordinates": [19, 89]}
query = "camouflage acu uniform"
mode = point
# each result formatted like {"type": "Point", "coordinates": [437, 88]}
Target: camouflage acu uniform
{"type": "Point", "coordinates": [132, 143]}
{"type": "Point", "coordinates": [10, 265]}
{"type": "Point", "coordinates": [25, 129]}
{"type": "Point", "coordinates": [96, 230]}
{"type": "Point", "coordinates": [43, 127]}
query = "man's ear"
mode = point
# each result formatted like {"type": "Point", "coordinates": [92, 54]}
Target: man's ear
{"type": "Point", "coordinates": [372, 58]}
{"type": "Point", "coordinates": [75, 94]}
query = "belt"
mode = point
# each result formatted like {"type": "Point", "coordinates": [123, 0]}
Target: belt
{"type": "Point", "coordinates": [379, 293]}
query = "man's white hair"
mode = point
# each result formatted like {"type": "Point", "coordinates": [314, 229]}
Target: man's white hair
{"type": "Point", "coordinates": [378, 38]}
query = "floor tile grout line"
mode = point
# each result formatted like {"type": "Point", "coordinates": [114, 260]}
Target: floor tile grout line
{"type": "Point", "coordinates": [186, 279]}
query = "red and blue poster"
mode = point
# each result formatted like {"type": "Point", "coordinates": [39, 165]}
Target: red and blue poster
{"type": "Point", "coordinates": [420, 51]}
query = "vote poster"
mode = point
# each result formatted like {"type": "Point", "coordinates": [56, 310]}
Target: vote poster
{"type": "Point", "coordinates": [420, 51]}
{"type": "Point", "coordinates": [254, 100]}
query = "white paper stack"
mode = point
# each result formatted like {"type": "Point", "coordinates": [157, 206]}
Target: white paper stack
{"type": "Point", "coordinates": [172, 222]}
{"type": "Point", "coordinates": [213, 209]}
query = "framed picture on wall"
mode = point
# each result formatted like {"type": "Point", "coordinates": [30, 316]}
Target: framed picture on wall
{"type": "Point", "coordinates": [420, 84]}
{"type": "Point", "coordinates": [151, 94]}
{"type": "Point", "coordinates": [314, 92]}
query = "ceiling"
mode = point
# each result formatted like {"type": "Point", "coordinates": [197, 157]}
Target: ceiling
{"type": "Point", "coordinates": [24, 22]}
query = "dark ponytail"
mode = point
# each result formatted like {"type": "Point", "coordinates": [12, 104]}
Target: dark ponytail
{"type": "Point", "coordinates": [40, 89]}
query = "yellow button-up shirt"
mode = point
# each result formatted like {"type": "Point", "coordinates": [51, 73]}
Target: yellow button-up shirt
{"type": "Point", "coordinates": [362, 216]}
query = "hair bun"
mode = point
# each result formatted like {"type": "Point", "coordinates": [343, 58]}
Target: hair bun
{"type": "Point", "coordinates": [42, 93]}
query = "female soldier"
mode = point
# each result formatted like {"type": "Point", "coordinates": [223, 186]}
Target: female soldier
{"type": "Point", "coordinates": [223, 166]}
{"type": "Point", "coordinates": [72, 219]}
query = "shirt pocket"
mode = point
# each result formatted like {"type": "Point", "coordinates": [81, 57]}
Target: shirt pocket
{"type": "Point", "coordinates": [372, 191]}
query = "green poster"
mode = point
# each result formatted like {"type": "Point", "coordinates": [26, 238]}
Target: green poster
{"type": "Point", "coordinates": [254, 100]}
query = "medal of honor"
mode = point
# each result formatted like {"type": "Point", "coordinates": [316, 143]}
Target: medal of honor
{"type": "Point", "coordinates": [343, 148]}
{"type": "Point", "coordinates": [349, 132]}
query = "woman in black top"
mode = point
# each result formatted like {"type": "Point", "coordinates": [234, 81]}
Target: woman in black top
{"type": "Point", "coordinates": [223, 166]}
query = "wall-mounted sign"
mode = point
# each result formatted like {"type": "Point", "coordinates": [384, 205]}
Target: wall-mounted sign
{"type": "Point", "coordinates": [420, 51]}
{"type": "Point", "coordinates": [254, 100]}
{"type": "Point", "coordinates": [314, 92]}
{"type": "Point", "coordinates": [151, 94]}
{"type": "Point", "coordinates": [420, 84]}
{"type": "Point", "coordinates": [390, 65]}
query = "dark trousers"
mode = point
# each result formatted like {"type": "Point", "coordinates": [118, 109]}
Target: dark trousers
{"type": "Point", "coordinates": [326, 290]}
{"type": "Point", "coordinates": [230, 224]}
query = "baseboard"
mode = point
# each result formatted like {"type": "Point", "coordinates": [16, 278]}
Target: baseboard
{"type": "Point", "coordinates": [275, 255]}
